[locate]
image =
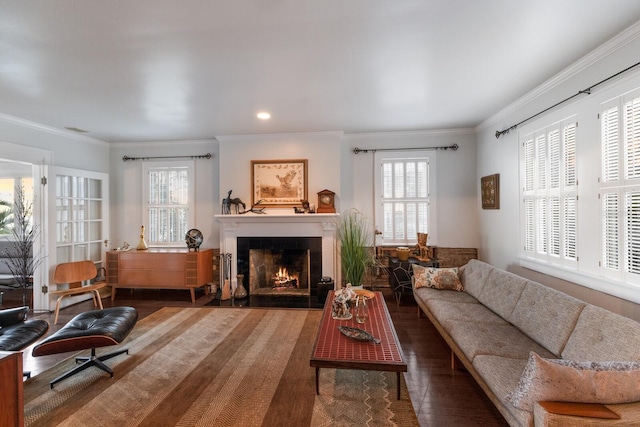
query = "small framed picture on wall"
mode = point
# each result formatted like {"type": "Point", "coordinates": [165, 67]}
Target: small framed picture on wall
{"type": "Point", "coordinates": [490, 190]}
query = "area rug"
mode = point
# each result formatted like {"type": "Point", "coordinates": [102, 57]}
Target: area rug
{"type": "Point", "coordinates": [217, 367]}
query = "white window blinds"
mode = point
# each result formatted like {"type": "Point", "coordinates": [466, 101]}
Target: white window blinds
{"type": "Point", "coordinates": [404, 198]}
{"type": "Point", "coordinates": [620, 192]}
{"type": "Point", "coordinates": [169, 190]}
{"type": "Point", "coordinates": [549, 191]}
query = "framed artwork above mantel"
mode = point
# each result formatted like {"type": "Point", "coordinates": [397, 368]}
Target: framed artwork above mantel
{"type": "Point", "coordinates": [490, 191]}
{"type": "Point", "coordinates": [279, 183]}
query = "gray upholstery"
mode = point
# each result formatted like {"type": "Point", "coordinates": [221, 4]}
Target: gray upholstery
{"type": "Point", "coordinates": [501, 317]}
{"type": "Point", "coordinates": [546, 315]}
{"type": "Point", "coordinates": [474, 275]}
{"type": "Point", "coordinates": [501, 292]}
{"type": "Point", "coordinates": [601, 335]}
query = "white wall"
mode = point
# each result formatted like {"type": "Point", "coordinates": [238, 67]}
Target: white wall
{"type": "Point", "coordinates": [499, 229]}
{"type": "Point", "coordinates": [321, 149]}
{"type": "Point", "coordinates": [455, 187]}
{"type": "Point", "coordinates": [63, 148]}
{"type": "Point", "coordinates": [127, 191]}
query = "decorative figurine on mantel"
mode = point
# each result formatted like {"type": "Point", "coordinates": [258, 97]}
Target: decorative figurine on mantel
{"type": "Point", "coordinates": [142, 245]}
{"type": "Point", "coordinates": [228, 201]}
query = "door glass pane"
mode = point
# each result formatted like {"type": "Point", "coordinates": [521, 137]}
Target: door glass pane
{"type": "Point", "coordinates": [96, 251]}
{"type": "Point", "coordinates": [63, 254]}
{"type": "Point", "coordinates": [95, 188]}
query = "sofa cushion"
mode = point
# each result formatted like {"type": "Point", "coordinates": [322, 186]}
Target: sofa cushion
{"type": "Point", "coordinates": [546, 315]}
{"type": "Point", "coordinates": [474, 275]}
{"type": "Point", "coordinates": [474, 338]}
{"type": "Point", "coordinates": [427, 294]}
{"type": "Point", "coordinates": [502, 291]}
{"type": "Point", "coordinates": [470, 312]}
{"type": "Point", "coordinates": [570, 381]}
{"type": "Point", "coordinates": [501, 375]}
{"type": "Point", "coordinates": [601, 335]}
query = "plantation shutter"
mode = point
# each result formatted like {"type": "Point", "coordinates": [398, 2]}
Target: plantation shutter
{"type": "Point", "coordinates": [611, 230]}
{"type": "Point", "coordinates": [620, 187]}
{"type": "Point", "coordinates": [550, 200]}
{"type": "Point", "coordinates": [405, 199]}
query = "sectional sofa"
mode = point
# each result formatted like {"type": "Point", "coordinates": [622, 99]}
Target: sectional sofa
{"type": "Point", "coordinates": [502, 323]}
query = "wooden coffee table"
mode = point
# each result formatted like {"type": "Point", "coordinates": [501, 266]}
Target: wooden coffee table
{"type": "Point", "coordinates": [334, 350]}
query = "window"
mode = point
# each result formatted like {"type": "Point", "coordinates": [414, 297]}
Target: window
{"type": "Point", "coordinates": [620, 187]}
{"type": "Point", "coordinates": [169, 191]}
{"type": "Point", "coordinates": [550, 193]}
{"type": "Point", "coordinates": [402, 185]}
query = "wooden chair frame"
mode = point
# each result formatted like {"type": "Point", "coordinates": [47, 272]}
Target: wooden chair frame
{"type": "Point", "coordinates": [75, 273]}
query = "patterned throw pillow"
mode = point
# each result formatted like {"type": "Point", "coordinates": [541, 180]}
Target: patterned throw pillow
{"type": "Point", "coordinates": [418, 276]}
{"type": "Point", "coordinates": [439, 278]}
{"type": "Point", "coordinates": [583, 382]}
{"type": "Point", "coordinates": [444, 278]}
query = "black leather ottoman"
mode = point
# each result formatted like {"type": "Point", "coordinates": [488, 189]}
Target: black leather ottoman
{"type": "Point", "coordinates": [16, 332]}
{"type": "Point", "coordinates": [90, 330]}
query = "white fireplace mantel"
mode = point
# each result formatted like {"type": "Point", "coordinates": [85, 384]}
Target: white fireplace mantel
{"type": "Point", "coordinates": [283, 225]}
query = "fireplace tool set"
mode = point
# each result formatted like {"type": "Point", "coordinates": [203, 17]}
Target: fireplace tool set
{"type": "Point", "coordinates": [225, 276]}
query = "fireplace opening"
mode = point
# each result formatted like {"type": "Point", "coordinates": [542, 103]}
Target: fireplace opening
{"type": "Point", "coordinates": [279, 271]}
{"type": "Point", "coordinates": [263, 261]}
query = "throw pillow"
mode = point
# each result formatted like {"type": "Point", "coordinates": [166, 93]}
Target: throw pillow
{"type": "Point", "coordinates": [582, 382]}
{"type": "Point", "coordinates": [419, 276]}
{"type": "Point", "coordinates": [444, 278]}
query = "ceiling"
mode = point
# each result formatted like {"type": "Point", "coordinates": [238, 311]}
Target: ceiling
{"type": "Point", "coordinates": [140, 70]}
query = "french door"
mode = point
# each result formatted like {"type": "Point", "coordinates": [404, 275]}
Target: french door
{"type": "Point", "coordinates": [75, 225]}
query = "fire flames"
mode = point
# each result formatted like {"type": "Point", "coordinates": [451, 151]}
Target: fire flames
{"type": "Point", "coordinates": [282, 279]}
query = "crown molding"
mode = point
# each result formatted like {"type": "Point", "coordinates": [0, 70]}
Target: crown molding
{"type": "Point", "coordinates": [163, 144]}
{"type": "Point", "coordinates": [400, 134]}
{"type": "Point", "coordinates": [271, 136]}
{"type": "Point", "coordinates": [50, 130]}
{"type": "Point", "coordinates": [598, 54]}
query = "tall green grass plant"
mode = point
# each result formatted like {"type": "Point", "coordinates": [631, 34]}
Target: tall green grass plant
{"type": "Point", "coordinates": [355, 253]}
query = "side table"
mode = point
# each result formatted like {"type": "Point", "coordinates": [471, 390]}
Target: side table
{"type": "Point", "coordinates": [11, 389]}
{"type": "Point", "coordinates": [400, 273]}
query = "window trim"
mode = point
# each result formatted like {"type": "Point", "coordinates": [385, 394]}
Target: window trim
{"type": "Point", "coordinates": [379, 156]}
{"type": "Point", "coordinates": [147, 166]}
{"type": "Point", "coordinates": [542, 184]}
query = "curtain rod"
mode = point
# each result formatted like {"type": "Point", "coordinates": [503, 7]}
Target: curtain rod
{"type": "Point", "coordinates": [357, 150]}
{"type": "Point", "coordinates": [586, 91]}
{"type": "Point", "coordinates": [201, 156]}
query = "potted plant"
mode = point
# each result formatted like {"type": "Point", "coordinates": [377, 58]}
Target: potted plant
{"type": "Point", "coordinates": [19, 256]}
{"type": "Point", "coordinates": [355, 254]}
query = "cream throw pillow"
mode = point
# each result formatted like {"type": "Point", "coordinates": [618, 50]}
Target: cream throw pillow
{"type": "Point", "coordinates": [439, 278]}
{"type": "Point", "coordinates": [568, 381]}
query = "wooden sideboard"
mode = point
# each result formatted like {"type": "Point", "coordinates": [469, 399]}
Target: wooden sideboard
{"type": "Point", "coordinates": [159, 269]}
{"type": "Point", "coordinates": [12, 405]}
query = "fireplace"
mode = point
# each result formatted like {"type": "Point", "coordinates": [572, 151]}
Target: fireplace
{"type": "Point", "coordinates": [280, 266]}
{"type": "Point", "coordinates": [314, 235]}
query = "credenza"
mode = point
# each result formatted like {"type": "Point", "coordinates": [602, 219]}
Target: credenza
{"type": "Point", "coordinates": [159, 269]}
{"type": "Point", "coordinates": [11, 407]}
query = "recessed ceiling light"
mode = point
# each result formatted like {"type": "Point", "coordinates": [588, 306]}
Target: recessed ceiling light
{"type": "Point", "coordinates": [264, 116]}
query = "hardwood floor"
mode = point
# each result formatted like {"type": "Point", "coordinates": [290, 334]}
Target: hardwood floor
{"type": "Point", "coordinates": [440, 396]}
